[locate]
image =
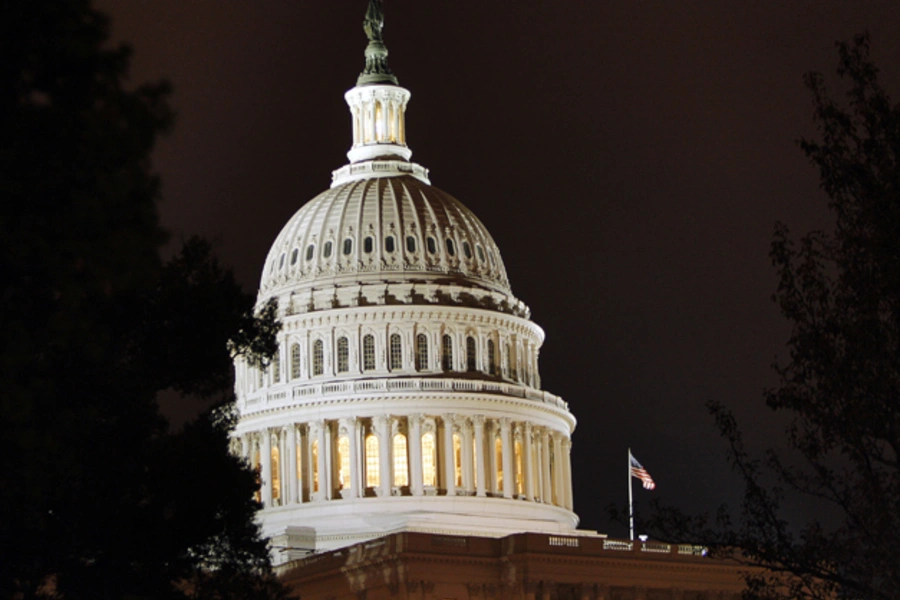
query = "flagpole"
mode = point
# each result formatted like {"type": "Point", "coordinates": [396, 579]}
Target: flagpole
{"type": "Point", "coordinates": [630, 501]}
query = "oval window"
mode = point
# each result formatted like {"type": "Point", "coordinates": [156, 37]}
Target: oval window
{"type": "Point", "coordinates": [294, 256]}
{"type": "Point", "coordinates": [326, 251]}
{"type": "Point", "coordinates": [310, 250]}
{"type": "Point", "coordinates": [450, 250]}
{"type": "Point", "coordinates": [348, 246]}
{"type": "Point", "coordinates": [410, 243]}
{"type": "Point", "coordinates": [432, 245]}
{"type": "Point", "coordinates": [281, 262]}
{"type": "Point", "coordinates": [480, 253]}
{"type": "Point", "coordinates": [466, 249]}
{"type": "Point", "coordinates": [368, 243]}
{"type": "Point", "coordinates": [389, 244]}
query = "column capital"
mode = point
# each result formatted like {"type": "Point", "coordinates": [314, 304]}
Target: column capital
{"type": "Point", "coordinates": [478, 420]}
{"type": "Point", "coordinates": [415, 418]}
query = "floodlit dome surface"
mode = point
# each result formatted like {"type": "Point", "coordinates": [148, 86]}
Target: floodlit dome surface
{"type": "Point", "coordinates": [383, 229]}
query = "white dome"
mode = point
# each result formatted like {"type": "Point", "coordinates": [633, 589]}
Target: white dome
{"type": "Point", "coordinates": [383, 229]}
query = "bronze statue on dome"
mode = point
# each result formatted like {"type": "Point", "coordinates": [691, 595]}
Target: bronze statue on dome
{"type": "Point", "coordinates": [374, 22]}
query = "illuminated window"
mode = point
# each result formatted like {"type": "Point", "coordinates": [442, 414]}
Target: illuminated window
{"type": "Point", "coordinates": [396, 352]}
{"type": "Point", "coordinates": [498, 458]}
{"type": "Point", "coordinates": [348, 246]}
{"type": "Point", "coordinates": [314, 458]}
{"type": "Point", "coordinates": [429, 460]}
{"type": "Point", "coordinates": [432, 245]}
{"type": "Point", "coordinates": [294, 256]}
{"type": "Point", "coordinates": [421, 352]}
{"type": "Point", "coordinates": [457, 460]}
{"type": "Point", "coordinates": [368, 352]}
{"type": "Point", "coordinates": [450, 249]}
{"type": "Point", "coordinates": [326, 251]}
{"type": "Point", "coordinates": [368, 245]}
{"type": "Point", "coordinates": [310, 251]}
{"type": "Point", "coordinates": [401, 463]}
{"type": "Point", "coordinates": [389, 244]}
{"type": "Point", "coordinates": [373, 478]}
{"type": "Point", "coordinates": [344, 462]}
{"type": "Point", "coordinates": [410, 243]}
{"type": "Point", "coordinates": [276, 366]}
{"type": "Point", "coordinates": [467, 250]}
{"type": "Point", "coordinates": [447, 352]}
{"type": "Point", "coordinates": [275, 477]}
{"type": "Point", "coordinates": [318, 357]}
{"type": "Point", "coordinates": [343, 355]}
{"type": "Point", "coordinates": [471, 363]}
{"type": "Point", "coordinates": [379, 121]}
{"type": "Point", "coordinates": [492, 367]}
{"type": "Point", "coordinates": [520, 468]}
{"type": "Point", "coordinates": [295, 361]}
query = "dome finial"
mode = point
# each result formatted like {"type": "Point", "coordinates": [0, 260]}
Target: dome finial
{"type": "Point", "coordinates": [377, 70]}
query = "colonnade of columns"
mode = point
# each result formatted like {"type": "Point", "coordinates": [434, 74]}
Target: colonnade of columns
{"type": "Point", "coordinates": [410, 455]}
{"type": "Point", "coordinates": [379, 120]}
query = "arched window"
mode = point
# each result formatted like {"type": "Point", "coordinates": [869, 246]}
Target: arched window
{"type": "Point", "coordinates": [520, 468]}
{"type": "Point", "coordinates": [432, 245]}
{"type": "Point", "coordinates": [373, 464]}
{"type": "Point", "coordinates": [467, 250]}
{"type": "Point", "coordinates": [401, 463]}
{"type": "Point", "coordinates": [276, 366]}
{"type": "Point", "coordinates": [450, 249]}
{"type": "Point", "coordinates": [447, 352]}
{"type": "Point", "coordinates": [314, 459]}
{"type": "Point", "coordinates": [310, 251]}
{"type": "Point", "coordinates": [318, 357]}
{"type": "Point", "coordinates": [344, 462]}
{"type": "Point", "coordinates": [326, 250]}
{"type": "Point", "coordinates": [368, 244]}
{"type": "Point", "coordinates": [410, 243]}
{"type": "Point", "coordinates": [275, 476]}
{"type": "Point", "coordinates": [368, 352]}
{"type": "Point", "coordinates": [295, 361]}
{"type": "Point", "coordinates": [498, 464]}
{"type": "Point", "coordinates": [429, 460]}
{"type": "Point", "coordinates": [471, 362]}
{"type": "Point", "coordinates": [396, 352]}
{"type": "Point", "coordinates": [348, 246]}
{"type": "Point", "coordinates": [492, 366]}
{"type": "Point", "coordinates": [457, 461]}
{"type": "Point", "coordinates": [294, 255]}
{"type": "Point", "coordinates": [343, 354]}
{"type": "Point", "coordinates": [389, 244]}
{"type": "Point", "coordinates": [421, 352]}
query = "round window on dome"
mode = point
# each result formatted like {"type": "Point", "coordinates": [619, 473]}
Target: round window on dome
{"type": "Point", "coordinates": [326, 251]}
{"type": "Point", "coordinates": [480, 253]}
{"type": "Point", "coordinates": [450, 249]}
{"type": "Point", "coordinates": [368, 244]}
{"type": "Point", "coordinates": [466, 249]}
{"type": "Point", "coordinates": [432, 245]}
{"type": "Point", "coordinates": [348, 246]}
{"type": "Point", "coordinates": [310, 251]}
{"type": "Point", "coordinates": [294, 256]}
{"type": "Point", "coordinates": [410, 243]}
{"type": "Point", "coordinates": [389, 244]}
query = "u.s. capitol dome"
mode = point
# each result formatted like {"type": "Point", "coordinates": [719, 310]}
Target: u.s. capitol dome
{"type": "Point", "coordinates": [405, 394]}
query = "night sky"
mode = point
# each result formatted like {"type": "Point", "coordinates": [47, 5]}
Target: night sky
{"type": "Point", "coordinates": [630, 159]}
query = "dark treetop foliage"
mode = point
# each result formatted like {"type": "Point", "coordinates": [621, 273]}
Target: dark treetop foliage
{"type": "Point", "coordinates": [841, 384]}
{"type": "Point", "coordinates": [99, 499]}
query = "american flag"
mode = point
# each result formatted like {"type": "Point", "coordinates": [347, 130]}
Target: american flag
{"type": "Point", "coordinates": [637, 470]}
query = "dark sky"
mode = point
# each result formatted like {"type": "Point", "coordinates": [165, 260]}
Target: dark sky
{"type": "Point", "coordinates": [629, 157]}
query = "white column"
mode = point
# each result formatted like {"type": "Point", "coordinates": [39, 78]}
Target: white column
{"type": "Point", "coordinates": [468, 461]}
{"type": "Point", "coordinates": [415, 454]}
{"type": "Point", "coordinates": [567, 472]}
{"type": "Point", "coordinates": [478, 421]}
{"type": "Point", "coordinates": [509, 476]}
{"type": "Point", "coordinates": [291, 463]}
{"type": "Point", "coordinates": [266, 462]}
{"type": "Point", "coordinates": [449, 457]}
{"type": "Point", "coordinates": [383, 427]}
{"type": "Point", "coordinates": [323, 463]}
{"type": "Point", "coordinates": [528, 475]}
{"type": "Point", "coordinates": [547, 493]}
{"type": "Point", "coordinates": [557, 469]}
{"type": "Point", "coordinates": [245, 450]}
{"type": "Point", "coordinates": [352, 426]}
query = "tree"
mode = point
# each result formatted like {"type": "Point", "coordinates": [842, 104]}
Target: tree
{"type": "Point", "coordinates": [100, 499]}
{"type": "Point", "coordinates": [840, 385]}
